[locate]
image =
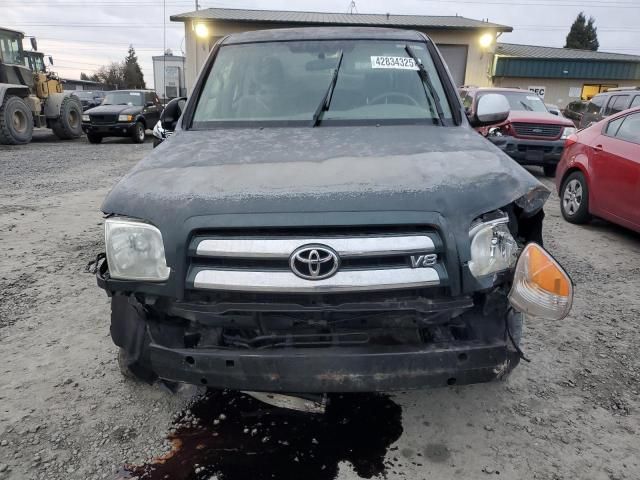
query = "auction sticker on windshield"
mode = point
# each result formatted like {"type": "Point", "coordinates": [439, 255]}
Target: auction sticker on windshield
{"type": "Point", "coordinates": [403, 63]}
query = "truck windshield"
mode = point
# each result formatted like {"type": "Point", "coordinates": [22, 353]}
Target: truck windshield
{"type": "Point", "coordinates": [123, 98]}
{"type": "Point", "coordinates": [524, 102]}
{"type": "Point", "coordinates": [277, 82]}
{"type": "Point", "coordinates": [10, 51]}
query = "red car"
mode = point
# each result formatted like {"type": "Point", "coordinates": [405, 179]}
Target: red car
{"type": "Point", "coordinates": [599, 173]}
{"type": "Point", "coordinates": [531, 135]}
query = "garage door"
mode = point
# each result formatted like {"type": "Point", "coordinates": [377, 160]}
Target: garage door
{"type": "Point", "coordinates": [456, 58]}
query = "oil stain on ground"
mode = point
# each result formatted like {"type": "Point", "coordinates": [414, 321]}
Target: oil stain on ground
{"type": "Point", "coordinates": [236, 437]}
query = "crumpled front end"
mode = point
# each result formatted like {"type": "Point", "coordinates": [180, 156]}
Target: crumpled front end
{"type": "Point", "coordinates": [402, 311]}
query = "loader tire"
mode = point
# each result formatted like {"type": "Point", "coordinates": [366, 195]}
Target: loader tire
{"type": "Point", "coordinates": [69, 124]}
{"type": "Point", "coordinates": [16, 122]}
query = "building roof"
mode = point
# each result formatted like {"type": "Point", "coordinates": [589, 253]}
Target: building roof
{"type": "Point", "coordinates": [80, 82]}
{"type": "Point", "coordinates": [528, 61]}
{"type": "Point", "coordinates": [178, 58]}
{"type": "Point", "coordinates": [324, 33]}
{"type": "Point", "coordinates": [351, 19]}
{"type": "Point", "coordinates": [554, 53]}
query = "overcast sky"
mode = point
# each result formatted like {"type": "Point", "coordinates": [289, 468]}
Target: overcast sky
{"type": "Point", "coordinates": [82, 35]}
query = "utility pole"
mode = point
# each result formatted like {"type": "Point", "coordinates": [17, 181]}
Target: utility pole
{"type": "Point", "coordinates": [197, 6]}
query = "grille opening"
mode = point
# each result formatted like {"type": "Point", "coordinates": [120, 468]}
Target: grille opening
{"type": "Point", "coordinates": [537, 130]}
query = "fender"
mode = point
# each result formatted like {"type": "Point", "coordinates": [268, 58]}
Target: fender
{"type": "Point", "coordinates": [13, 89]}
{"type": "Point", "coordinates": [53, 102]}
{"type": "Point", "coordinates": [140, 118]}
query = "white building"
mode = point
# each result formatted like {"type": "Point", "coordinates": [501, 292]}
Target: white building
{"type": "Point", "coordinates": [168, 76]}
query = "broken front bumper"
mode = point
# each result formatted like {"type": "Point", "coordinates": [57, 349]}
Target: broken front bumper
{"type": "Point", "coordinates": [530, 151]}
{"type": "Point", "coordinates": [334, 369]}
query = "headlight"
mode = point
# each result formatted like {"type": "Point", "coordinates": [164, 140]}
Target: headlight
{"type": "Point", "coordinates": [533, 200]}
{"type": "Point", "coordinates": [125, 118]}
{"type": "Point", "coordinates": [567, 131]}
{"type": "Point", "coordinates": [493, 248]}
{"type": "Point", "coordinates": [85, 118]}
{"type": "Point", "coordinates": [541, 288]}
{"type": "Point", "coordinates": [135, 250]}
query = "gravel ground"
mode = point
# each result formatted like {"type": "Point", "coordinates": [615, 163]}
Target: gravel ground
{"type": "Point", "coordinates": [66, 412]}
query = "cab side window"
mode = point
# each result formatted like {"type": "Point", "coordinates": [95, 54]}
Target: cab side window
{"type": "Point", "coordinates": [630, 129]}
{"type": "Point", "coordinates": [617, 103]}
{"type": "Point", "coordinates": [635, 102]}
{"type": "Point", "coordinates": [613, 126]}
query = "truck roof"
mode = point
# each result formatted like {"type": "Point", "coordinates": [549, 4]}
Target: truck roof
{"type": "Point", "coordinates": [5, 29]}
{"type": "Point", "coordinates": [324, 33]}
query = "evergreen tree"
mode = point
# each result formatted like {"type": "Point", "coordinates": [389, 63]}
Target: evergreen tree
{"type": "Point", "coordinates": [133, 77]}
{"type": "Point", "coordinates": [112, 75]}
{"type": "Point", "coordinates": [583, 34]}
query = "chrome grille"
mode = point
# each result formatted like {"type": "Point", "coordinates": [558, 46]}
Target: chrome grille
{"type": "Point", "coordinates": [537, 130]}
{"type": "Point", "coordinates": [369, 261]}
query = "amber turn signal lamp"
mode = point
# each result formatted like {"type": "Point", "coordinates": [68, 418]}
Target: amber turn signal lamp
{"type": "Point", "coordinates": [541, 287]}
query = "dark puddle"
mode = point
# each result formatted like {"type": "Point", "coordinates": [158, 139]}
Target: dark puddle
{"type": "Point", "coordinates": [237, 437]}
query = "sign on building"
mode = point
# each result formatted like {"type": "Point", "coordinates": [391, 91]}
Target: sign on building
{"type": "Point", "coordinates": [575, 92]}
{"type": "Point", "coordinates": [538, 91]}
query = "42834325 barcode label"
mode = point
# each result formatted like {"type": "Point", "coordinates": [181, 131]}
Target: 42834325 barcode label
{"type": "Point", "coordinates": [402, 63]}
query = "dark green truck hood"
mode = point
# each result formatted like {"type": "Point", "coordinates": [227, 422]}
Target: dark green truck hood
{"type": "Point", "coordinates": [451, 171]}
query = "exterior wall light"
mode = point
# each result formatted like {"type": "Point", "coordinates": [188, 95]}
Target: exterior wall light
{"type": "Point", "coordinates": [202, 30]}
{"type": "Point", "coordinates": [486, 40]}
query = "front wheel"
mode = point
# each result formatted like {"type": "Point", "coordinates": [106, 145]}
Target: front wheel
{"type": "Point", "coordinates": [16, 122]}
{"type": "Point", "coordinates": [138, 133]}
{"type": "Point", "coordinates": [574, 199]}
{"type": "Point", "coordinates": [69, 124]}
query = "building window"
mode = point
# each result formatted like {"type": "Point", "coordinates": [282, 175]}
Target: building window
{"type": "Point", "coordinates": [588, 91]}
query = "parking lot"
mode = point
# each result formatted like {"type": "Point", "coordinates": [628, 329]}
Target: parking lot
{"type": "Point", "coordinates": [67, 413]}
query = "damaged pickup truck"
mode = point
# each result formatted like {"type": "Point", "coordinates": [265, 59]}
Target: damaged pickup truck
{"type": "Point", "coordinates": [325, 219]}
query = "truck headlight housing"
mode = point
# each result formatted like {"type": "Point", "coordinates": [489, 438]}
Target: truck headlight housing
{"type": "Point", "coordinates": [135, 250]}
{"type": "Point", "coordinates": [125, 118]}
{"type": "Point", "coordinates": [493, 248]}
{"type": "Point", "coordinates": [541, 288]}
{"type": "Point", "coordinates": [567, 131]}
{"type": "Point", "coordinates": [85, 118]}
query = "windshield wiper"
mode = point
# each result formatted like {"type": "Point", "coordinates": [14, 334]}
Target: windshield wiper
{"type": "Point", "coordinates": [427, 85]}
{"type": "Point", "coordinates": [326, 99]}
{"type": "Point", "coordinates": [526, 107]}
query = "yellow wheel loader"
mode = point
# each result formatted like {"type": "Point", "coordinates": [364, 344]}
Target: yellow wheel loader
{"type": "Point", "coordinates": [31, 96]}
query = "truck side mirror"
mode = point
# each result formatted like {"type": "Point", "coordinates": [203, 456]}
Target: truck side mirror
{"type": "Point", "coordinates": [171, 113]}
{"type": "Point", "coordinates": [492, 108]}
{"type": "Point", "coordinates": [34, 44]}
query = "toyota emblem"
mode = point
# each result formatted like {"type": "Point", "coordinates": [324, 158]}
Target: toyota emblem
{"type": "Point", "coordinates": [314, 262]}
